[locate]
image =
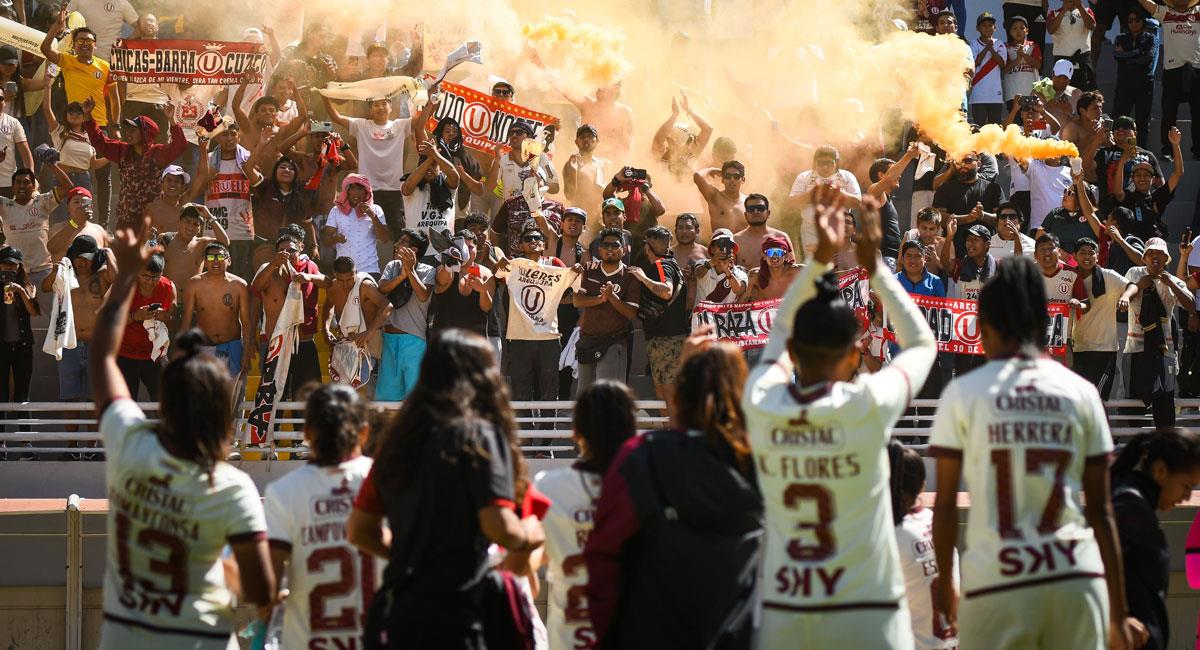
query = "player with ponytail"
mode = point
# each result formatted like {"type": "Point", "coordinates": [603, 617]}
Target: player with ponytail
{"type": "Point", "coordinates": [174, 503]}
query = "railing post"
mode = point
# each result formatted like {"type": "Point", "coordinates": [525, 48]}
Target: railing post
{"type": "Point", "coordinates": [74, 586]}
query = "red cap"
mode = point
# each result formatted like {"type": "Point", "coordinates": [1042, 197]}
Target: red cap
{"type": "Point", "coordinates": [78, 191]}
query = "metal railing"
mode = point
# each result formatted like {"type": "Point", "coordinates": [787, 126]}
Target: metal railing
{"type": "Point", "coordinates": [544, 427]}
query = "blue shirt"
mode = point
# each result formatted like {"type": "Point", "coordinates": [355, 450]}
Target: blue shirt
{"type": "Point", "coordinates": [930, 285]}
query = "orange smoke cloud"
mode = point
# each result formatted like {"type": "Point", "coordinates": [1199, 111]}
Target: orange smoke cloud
{"type": "Point", "coordinates": [584, 55]}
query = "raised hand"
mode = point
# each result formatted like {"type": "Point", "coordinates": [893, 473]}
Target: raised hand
{"type": "Point", "coordinates": [1174, 136]}
{"type": "Point", "coordinates": [870, 235]}
{"type": "Point", "coordinates": [128, 246]}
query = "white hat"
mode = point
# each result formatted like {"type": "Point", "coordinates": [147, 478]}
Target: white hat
{"type": "Point", "coordinates": [1063, 68]}
{"type": "Point", "coordinates": [176, 170]}
{"type": "Point", "coordinates": [1157, 244]}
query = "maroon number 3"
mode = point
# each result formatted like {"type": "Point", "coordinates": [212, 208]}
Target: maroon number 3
{"type": "Point", "coordinates": [793, 496]}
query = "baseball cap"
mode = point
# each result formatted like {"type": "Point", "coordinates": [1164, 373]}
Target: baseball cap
{"type": "Point", "coordinates": [578, 213]}
{"type": "Point", "coordinates": [1157, 244]}
{"type": "Point", "coordinates": [984, 17]}
{"type": "Point", "coordinates": [10, 254]}
{"type": "Point", "coordinates": [176, 170]}
{"type": "Point", "coordinates": [1124, 122]}
{"type": "Point", "coordinates": [1142, 165]}
{"type": "Point", "coordinates": [499, 81]}
{"type": "Point", "coordinates": [979, 230]}
{"type": "Point", "coordinates": [8, 54]}
{"type": "Point", "coordinates": [722, 234]}
{"type": "Point", "coordinates": [1063, 68]}
{"type": "Point", "coordinates": [1020, 19]}
{"type": "Point", "coordinates": [84, 246]}
{"type": "Point", "coordinates": [520, 125]}
{"type": "Point", "coordinates": [613, 202]}
{"type": "Point", "coordinates": [78, 191]}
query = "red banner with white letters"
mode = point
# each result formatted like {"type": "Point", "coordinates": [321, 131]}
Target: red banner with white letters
{"type": "Point", "coordinates": [197, 63]}
{"type": "Point", "coordinates": [955, 324]}
{"type": "Point", "coordinates": [746, 324]}
{"type": "Point", "coordinates": [484, 119]}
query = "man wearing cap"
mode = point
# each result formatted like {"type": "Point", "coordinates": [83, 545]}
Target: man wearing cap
{"type": "Point", "coordinates": [220, 302]}
{"type": "Point", "coordinates": [1106, 151]}
{"type": "Point", "coordinates": [825, 171]}
{"type": "Point", "coordinates": [1136, 53]}
{"type": "Point", "coordinates": [521, 178]}
{"type": "Point", "coordinates": [967, 274]}
{"type": "Point", "coordinates": [609, 296]}
{"type": "Point", "coordinates": [1066, 97]}
{"type": "Point", "coordinates": [987, 91]}
{"type": "Point", "coordinates": [79, 221]}
{"type": "Point", "coordinates": [585, 174]}
{"type": "Point", "coordinates": [94, 268]}
{"type": "Point", "coordinates": [1149, 341]}
{"type": "Point", "coordinates": [719, 279]}
{"type": "Point", "coordinates": [1147, 203]}
{"type": "Point", "coordinates": [666, 319]}
{"type": "Point", "coordinates": [1094, 301]}
{"type": "Point", "coordinates": [177, 190]}
{"type": "Point", "coordinates": [612, 215]}
{"type": "Point", "coordinates": [503, 90]}
{"type": "Point", "coordinates": [1072, 26]}
{"type": "Point", "coordinates": [184, 253]}
{"type": "Point", "coordinates": [1181, 63]}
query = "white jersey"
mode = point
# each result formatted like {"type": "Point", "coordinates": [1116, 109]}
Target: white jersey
{"type": "Point", "coordinates": [914, 539]}
{"type": "Point", "coordinates": [1024, 428]}
{"type": "Point", "coordinates": [164, 585]}
{"type": "Point", "coordinates": [330, 582]}
{"type": "Point", "coordinates": [823, 465]}
{"type": "Point", "coordinates": [568, 522]}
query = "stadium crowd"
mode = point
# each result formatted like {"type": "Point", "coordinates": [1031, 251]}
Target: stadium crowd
{"type": "Point", "coordinates": [410, 266]}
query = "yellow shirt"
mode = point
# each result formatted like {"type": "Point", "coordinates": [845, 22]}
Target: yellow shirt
{"type": "Point", "coordinates": [85, 80]}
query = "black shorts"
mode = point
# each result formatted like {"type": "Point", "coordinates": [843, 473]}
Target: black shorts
{"type": "Point", "coordinates": [1107, 10]}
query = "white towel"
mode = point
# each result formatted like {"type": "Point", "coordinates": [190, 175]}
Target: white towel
{"type": "Point", "coordinates": [378, 88]}
{"type": "Point", "coordinates": [352, 321]}
{"type": "Point", "coordinates": [567, 359]}
{"type": "Point", "coordinates": [160, 338]}
{"type": "Point", "coordinates": [62, 315]}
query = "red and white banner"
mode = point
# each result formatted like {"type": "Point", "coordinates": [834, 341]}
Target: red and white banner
{"type": "Point", "coordinates": [199, 63]}
{"type": "Point", "coordinates": [955, 324]}
{"type": "Point", "coordinates": [484, 119]}
{"type": "Point", "coordinates": [748, 324]}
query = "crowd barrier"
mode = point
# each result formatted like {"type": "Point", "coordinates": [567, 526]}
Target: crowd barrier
{"type": "Point", "coordinates": [57, 428]}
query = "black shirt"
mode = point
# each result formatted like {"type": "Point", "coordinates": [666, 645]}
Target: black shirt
{"type": "Point", "coordinates": [960, 198]}
{"type": "Point", "coordinates": [1069, 227]}
{"type": "Point", "coordinates": [1145, 553]}
{"type": "Point", "coordinates": [1106, 168]}
{"type": "Point", "coordinates": [1147, 212]}
{"type": "Point", "coordinates": [661, 317]}
{"type": "Point", "coordinates": [437, 544]}
{"type": "Point", "coordinates": [889, 218]}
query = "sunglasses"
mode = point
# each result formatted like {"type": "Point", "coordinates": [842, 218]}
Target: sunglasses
{"type": "Point", "coordinates": [756, 208]}
{"type": "Point", "coordinates": [970, 161]}
{"type": "Point", "coordinates": [1010, 215]}
{"type": "Point", "coordinates": [502, 93]}
{"type": "Point", "coordinates": [773, 253]}
{"type": "Point", "coordinates": [216, 258]}
{"type": "Point", "coordinates": [532, 238]}
{"type": "Point", "coordinates": [611, 244]}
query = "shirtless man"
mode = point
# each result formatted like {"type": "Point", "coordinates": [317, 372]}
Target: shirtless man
{"type": "Point", "coordinates": [177, 190]}
{"type": "Point", "coordinates": [750, 239]}
{"type": "Point", "coordinates": [185, 252]}
{"type": "Point", "coordinates": [584, 175]}
{"type": "Point", "coordinates": [95, 269]}
{"type": "Point", "coordinates": [221, 304]}
{"type": "Point", "coordinates": [270, 284]}
{"type": "Point", "coordinates": [609, 116]}
{"type": "Point", "coordinates": [79, 222]}
{"type": "Point", "coordinates": [375, 305]}
{"type": "Point", "coordinates": [260, 125]}
{"type": "Point", "coordinates": [780, 271]}
{"type": "Point", "coordinates": [724, 206]}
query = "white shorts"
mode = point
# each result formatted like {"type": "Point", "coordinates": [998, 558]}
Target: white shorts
{"type": "Point", "coordinates": [1066, 614]}
{"type": "Point", "coordinates": [882, 629]}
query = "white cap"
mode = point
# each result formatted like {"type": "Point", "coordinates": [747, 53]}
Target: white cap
{"type": "Point", "coordinates": [176, 170]}
{"type": "Point", "coordinates": [1157, 244]}
{"type": "Point", "coordinates": [1063, 68]}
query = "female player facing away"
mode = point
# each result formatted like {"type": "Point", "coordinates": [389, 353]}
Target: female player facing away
{"type": "Point", "coordinates": [330, 582]}
{"type": "Point", "coordinates": [831, 573]}
{"type": "Point", "coordinates": [1027, 434]}
{"type": "Point", "coordinates": [605, 417]}
{"type": "Point", "coordinates": [914, 540]}
{"type": "Point", "coordinates": [174, 502]}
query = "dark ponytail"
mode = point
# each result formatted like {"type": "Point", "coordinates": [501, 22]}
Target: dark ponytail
{"type": "Point", "coordinates": [605, 417]}
{"type": "Point", "coordinates": [196, 403]}
{"type": "Point", "coordinates": [334, 415]}
{"type": "Point", "coordinates": [825, 326]}
{"type": "Point", "coordinates": [1177, 448]}
{"type": "Point", "coordinates": [908, 479]}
